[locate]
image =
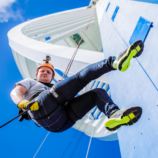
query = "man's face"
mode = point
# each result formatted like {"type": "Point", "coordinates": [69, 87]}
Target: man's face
{"type": "Point", "coordinates": [44, 74]}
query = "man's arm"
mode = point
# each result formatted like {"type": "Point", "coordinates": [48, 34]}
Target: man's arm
{"type": "Point", "coordinates": [17, 94]}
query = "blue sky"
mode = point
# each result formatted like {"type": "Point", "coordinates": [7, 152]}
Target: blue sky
{"type": "Point", "coordinates": [23, 139]}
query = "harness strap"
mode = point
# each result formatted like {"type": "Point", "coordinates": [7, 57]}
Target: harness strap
{"type": "Point", "coordinates": [53, 92]}
{"type": "Point", "coordinates": [26, 115]}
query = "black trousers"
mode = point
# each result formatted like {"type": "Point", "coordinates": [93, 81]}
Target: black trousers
{"type": "Point", "coordinates": [68, 107]}
{"type": "Point", "coordinates": [80, 105]}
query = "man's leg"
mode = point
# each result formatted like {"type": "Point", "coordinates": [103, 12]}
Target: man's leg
{"type": "Point", "coordinates": [69, 87]}
{"type": "Point", "coordinates": [123, 117]}
{"type": "Point", "coordinates": [123, 61]}
{"type": "Point", "coordinates": [80, 105]}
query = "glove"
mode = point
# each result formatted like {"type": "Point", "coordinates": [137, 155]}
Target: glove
{"type": "Point", "coordinates": [24, 103]}
{"type": "Point", "coordinates": [25, 116]}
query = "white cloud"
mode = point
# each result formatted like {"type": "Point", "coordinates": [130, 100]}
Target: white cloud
{"type": "Point", "coordinates": [6, 11]}
{"type": "Point", "coordinates": [5, 3]}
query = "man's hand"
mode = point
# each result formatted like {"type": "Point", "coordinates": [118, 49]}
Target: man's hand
{"type": "Point", "coordinates": [24, 103]}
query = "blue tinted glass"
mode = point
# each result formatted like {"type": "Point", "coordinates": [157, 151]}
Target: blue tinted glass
{"type": "Point", "coordinates": [141, 30]}
{"type": "Point", "coordinates": [115, 13]}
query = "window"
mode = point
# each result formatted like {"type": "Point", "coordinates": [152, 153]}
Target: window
{"type": "Point", "coordinates": [141, 30]}
{"type": "Point", "coordinates": [47, 38]}
{"type": "Point", "coordinates": [107, 7]}
{"type": "Point", "coordinates": [115, 13]}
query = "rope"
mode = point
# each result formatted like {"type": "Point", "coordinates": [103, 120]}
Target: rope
{"type": "Point", "coordinates": [40, 146]}
{"type": "Point", "coordinates": [89, 144]}
{"type": "Point", "coordinates": [76, 146]}
{"type": "Point", "coordinates": [72, 59]}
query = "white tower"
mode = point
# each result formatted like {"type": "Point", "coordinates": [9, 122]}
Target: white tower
{"type": "Point", "coordinates": [107, 28]}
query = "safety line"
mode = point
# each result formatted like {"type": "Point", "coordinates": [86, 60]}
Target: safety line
{"type": "Point", "coordinates": [67, 148]}
{"type": "Point", "coordinates": [76, 146]}
{"type": "Point", "coordinates": [89, 144]}
{"type": "Point", "coordinates": [72, 58]}
{"type": "Point", "coordinates": [40, 146]}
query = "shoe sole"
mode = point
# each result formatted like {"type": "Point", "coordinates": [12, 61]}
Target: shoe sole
{"type": "Point", "coordinates": [134, 51]}
{"type": "Point", "coordinates": [129, 117]}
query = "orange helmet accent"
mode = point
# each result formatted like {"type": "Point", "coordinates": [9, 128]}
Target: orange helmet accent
{"type": "Point", "coordinates": [47, 64]}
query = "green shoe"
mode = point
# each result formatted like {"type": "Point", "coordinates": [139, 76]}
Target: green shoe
{"type": "Point", "coordinates": [123, 117]}
{"type": "Point", "coordinates": [123, 61]}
